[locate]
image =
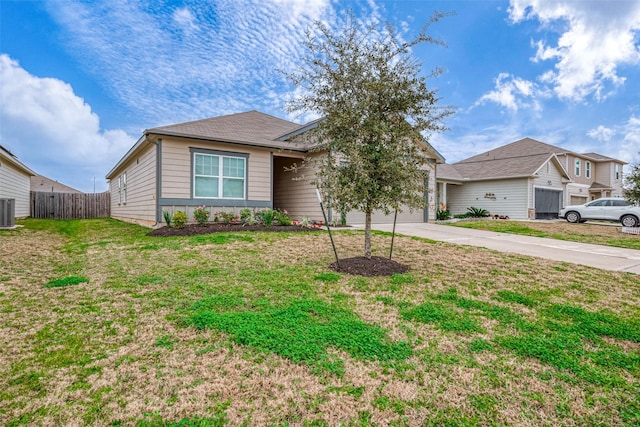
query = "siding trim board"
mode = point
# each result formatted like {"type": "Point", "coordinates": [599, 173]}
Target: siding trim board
{"type": "Point", "coordinates": [238, 203]}
{"type": "Point", "coordinates": [158, 180]}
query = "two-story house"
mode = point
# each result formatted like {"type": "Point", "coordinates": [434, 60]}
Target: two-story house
{"type": "Point", "coordinates": [527, 179]}
{"type": "Point", "coordinates": [592, 176]}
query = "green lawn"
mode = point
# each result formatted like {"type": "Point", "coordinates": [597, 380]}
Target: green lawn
{"type": "Point", "coordinates": [103, 325]}
{"type": "Point", "coordinates": [596, 233]}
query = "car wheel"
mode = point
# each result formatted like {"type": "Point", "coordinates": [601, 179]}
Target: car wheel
{"type": "Point", "coordinates": [629, 221]}
{"type": "Point", "coordinates": [572, 217]}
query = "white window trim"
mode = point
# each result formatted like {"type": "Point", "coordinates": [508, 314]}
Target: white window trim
{"type": "Point", "coordinates": [587, 169]}
{"type": "Point", "coordinates": [124, 188]}
{"type": "Point", "coordinates": [577, 169]}
{"type": "Point", "coordinates": [120, 190]}
{"type": "Point", "coordinates": [221, 177]}
{"type": "Point", "coordinates": [617, 172]}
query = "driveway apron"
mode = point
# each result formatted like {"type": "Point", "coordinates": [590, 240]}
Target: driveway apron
{"type": "Point", "coordinates": [598, 256]}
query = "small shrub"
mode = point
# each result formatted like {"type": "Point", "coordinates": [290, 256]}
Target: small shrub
{"type": "Point", "coordinates": [442, 215]}
{"type": "Point", "coordinates": [168, 217]}
{"type": "Point", "coordinates": [246, 214]}
{"type": "Point", "coordinates": [268, 216]}
{"type": "Point", "coordinates": [461, 216]}
{"type": "Point", "coordinates": [249, 217]}
{"type": "Point", "coordinates": [306, 222]}
{"type": "Point", "coordinates": [226, 217]}
{"type": "Point", "coordinates": [179, 219]}
{"type": "Point", "coordinates": [283, 218]}
{"type": "Point", "coordinates": [477, 212]}
{"type": "Point", "coordinates": [201, 215]}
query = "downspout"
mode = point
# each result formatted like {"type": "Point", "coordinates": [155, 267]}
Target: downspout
{"type": "Point", "coordinates": [158, 179]}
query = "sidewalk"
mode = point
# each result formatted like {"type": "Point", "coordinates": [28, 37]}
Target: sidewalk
{"type": "Point", "coordinates": [598, 256]}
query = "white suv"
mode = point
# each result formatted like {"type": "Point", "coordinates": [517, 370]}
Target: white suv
{"type": "Point", "coordinates": [606, 209]}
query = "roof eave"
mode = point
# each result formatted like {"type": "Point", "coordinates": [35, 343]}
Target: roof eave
{"type": "Point", "coordinates": [302, 149]}
{"type": "Point", "coordinates": [129, 153]}
{"type": "Point", "coordinates": [18, 164]}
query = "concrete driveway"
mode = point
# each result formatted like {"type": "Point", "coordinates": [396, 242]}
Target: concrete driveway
{"type": "Point", "coordinates": [604, 257]}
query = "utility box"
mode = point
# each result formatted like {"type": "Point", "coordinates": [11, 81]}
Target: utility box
{"type": "Point", "coordinates": [7, 213]}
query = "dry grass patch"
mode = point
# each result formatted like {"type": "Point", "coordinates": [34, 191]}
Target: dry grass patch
{"type": "Point", "coordinates": [120, 349]}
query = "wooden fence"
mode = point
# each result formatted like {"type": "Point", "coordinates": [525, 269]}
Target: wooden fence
{"type": "Point", "coordinates": [70, 205]}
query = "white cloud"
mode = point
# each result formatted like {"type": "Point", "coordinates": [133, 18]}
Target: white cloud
{"type": "Point", "coordinates": [596, 38]}
{"type": "Point", "coordinates": [512, 93]}
{"type": "Point", "coordinates": [632, 131]}
{"type": "Point", "coordinates": [52, 130]}
{"type": "Point", "coordinates": [601, 133]}
{"type": "Point", "coordinates": [185, 19]}
{"type": "Point", "coordinates": [224, 58]}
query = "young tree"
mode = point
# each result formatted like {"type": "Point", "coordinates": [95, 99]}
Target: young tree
{"type": "Point", "coordinates": [365, 83]}
{"type": "Point", "coordinates": [632, 184]}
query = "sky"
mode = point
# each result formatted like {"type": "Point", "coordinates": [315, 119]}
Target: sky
{"type": "Point", "coordinates": [81, 80]}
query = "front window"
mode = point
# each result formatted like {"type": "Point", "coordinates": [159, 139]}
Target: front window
{"type": "Point", "coordinates": [617, 172]}
{"type": "Point", "coordinates": [219, 176]}
{"type": "Point", "coordinates": [577, 167]}
{"type": "Point", "coordinates": [587, 169]}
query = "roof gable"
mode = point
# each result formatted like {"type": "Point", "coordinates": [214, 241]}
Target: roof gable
{"type": "Point", "coordinates": [522, 158]}
{"type": "Point", "coordinates": [522, 148]}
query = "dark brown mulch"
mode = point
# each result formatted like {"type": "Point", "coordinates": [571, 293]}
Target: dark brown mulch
{"type": "Point", "coordinates": [376, 266]}
{"type": "Point", "coordinates": [195, 229]}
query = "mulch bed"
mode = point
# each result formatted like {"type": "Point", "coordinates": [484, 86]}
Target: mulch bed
{"type": "Point", "coordinates": [376, 266]}
{"type": "Point", "coordinates": [212, 227]}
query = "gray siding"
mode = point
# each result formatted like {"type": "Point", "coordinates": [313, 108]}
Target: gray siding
{"type": "Point", "coordinates": [512, 197]}
{"type": "Point", "coordinates": [15, 184]}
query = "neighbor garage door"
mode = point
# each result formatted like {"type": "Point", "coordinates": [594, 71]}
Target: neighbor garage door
{"type": "Point", "coordinates": [547, 203]}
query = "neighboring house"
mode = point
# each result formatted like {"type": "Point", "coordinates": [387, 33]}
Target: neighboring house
{"type": "Point", "coordinates": [42, 183]}
{"type": "Point", "coordinates": [527, 179]}
{"type": "Point", "coordinates": [225, 163]}
{"type": "Point", "coordinates": [15, 182]}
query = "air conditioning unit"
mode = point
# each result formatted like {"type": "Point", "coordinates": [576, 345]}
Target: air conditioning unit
{"type": "Point", "coordinates": [7, 213]}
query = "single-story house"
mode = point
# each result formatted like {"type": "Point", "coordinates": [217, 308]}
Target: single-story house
{"type": "Point", "coordinates": [527, 179]}
{"type": "Point", "coordinates": [15, 181]}
{"type": "Point", "coordinates": [226, 163]}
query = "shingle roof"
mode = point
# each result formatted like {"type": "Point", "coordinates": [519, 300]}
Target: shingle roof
{"type": "Point", "coordinates": [599, 157]}
{"type": "Point", "coordinates": [250, 128]}
{"type": "Point", "coordinates": [518, 159]}
{"type": "Point", "coordinates": [597, 186]}
{"type": "Point", "coordinates": [519, 149]}
{"type": "Point", "coordinates": [448, 172]}
{"type": "Point", "coordinates": [522, 158]}
{"type": "Point", "coordinates": [42, 183]}
{"type": "Point", "coordinates": [511, 167]}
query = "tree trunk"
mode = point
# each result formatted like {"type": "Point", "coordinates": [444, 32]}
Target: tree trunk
{"type": "Point", "coordinates": [367, 235]}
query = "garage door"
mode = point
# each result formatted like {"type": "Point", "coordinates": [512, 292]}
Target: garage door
{"type": "Point", "coordinates": [357, 217]}
{"type": "Point", "coordinates": [547, 203]}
